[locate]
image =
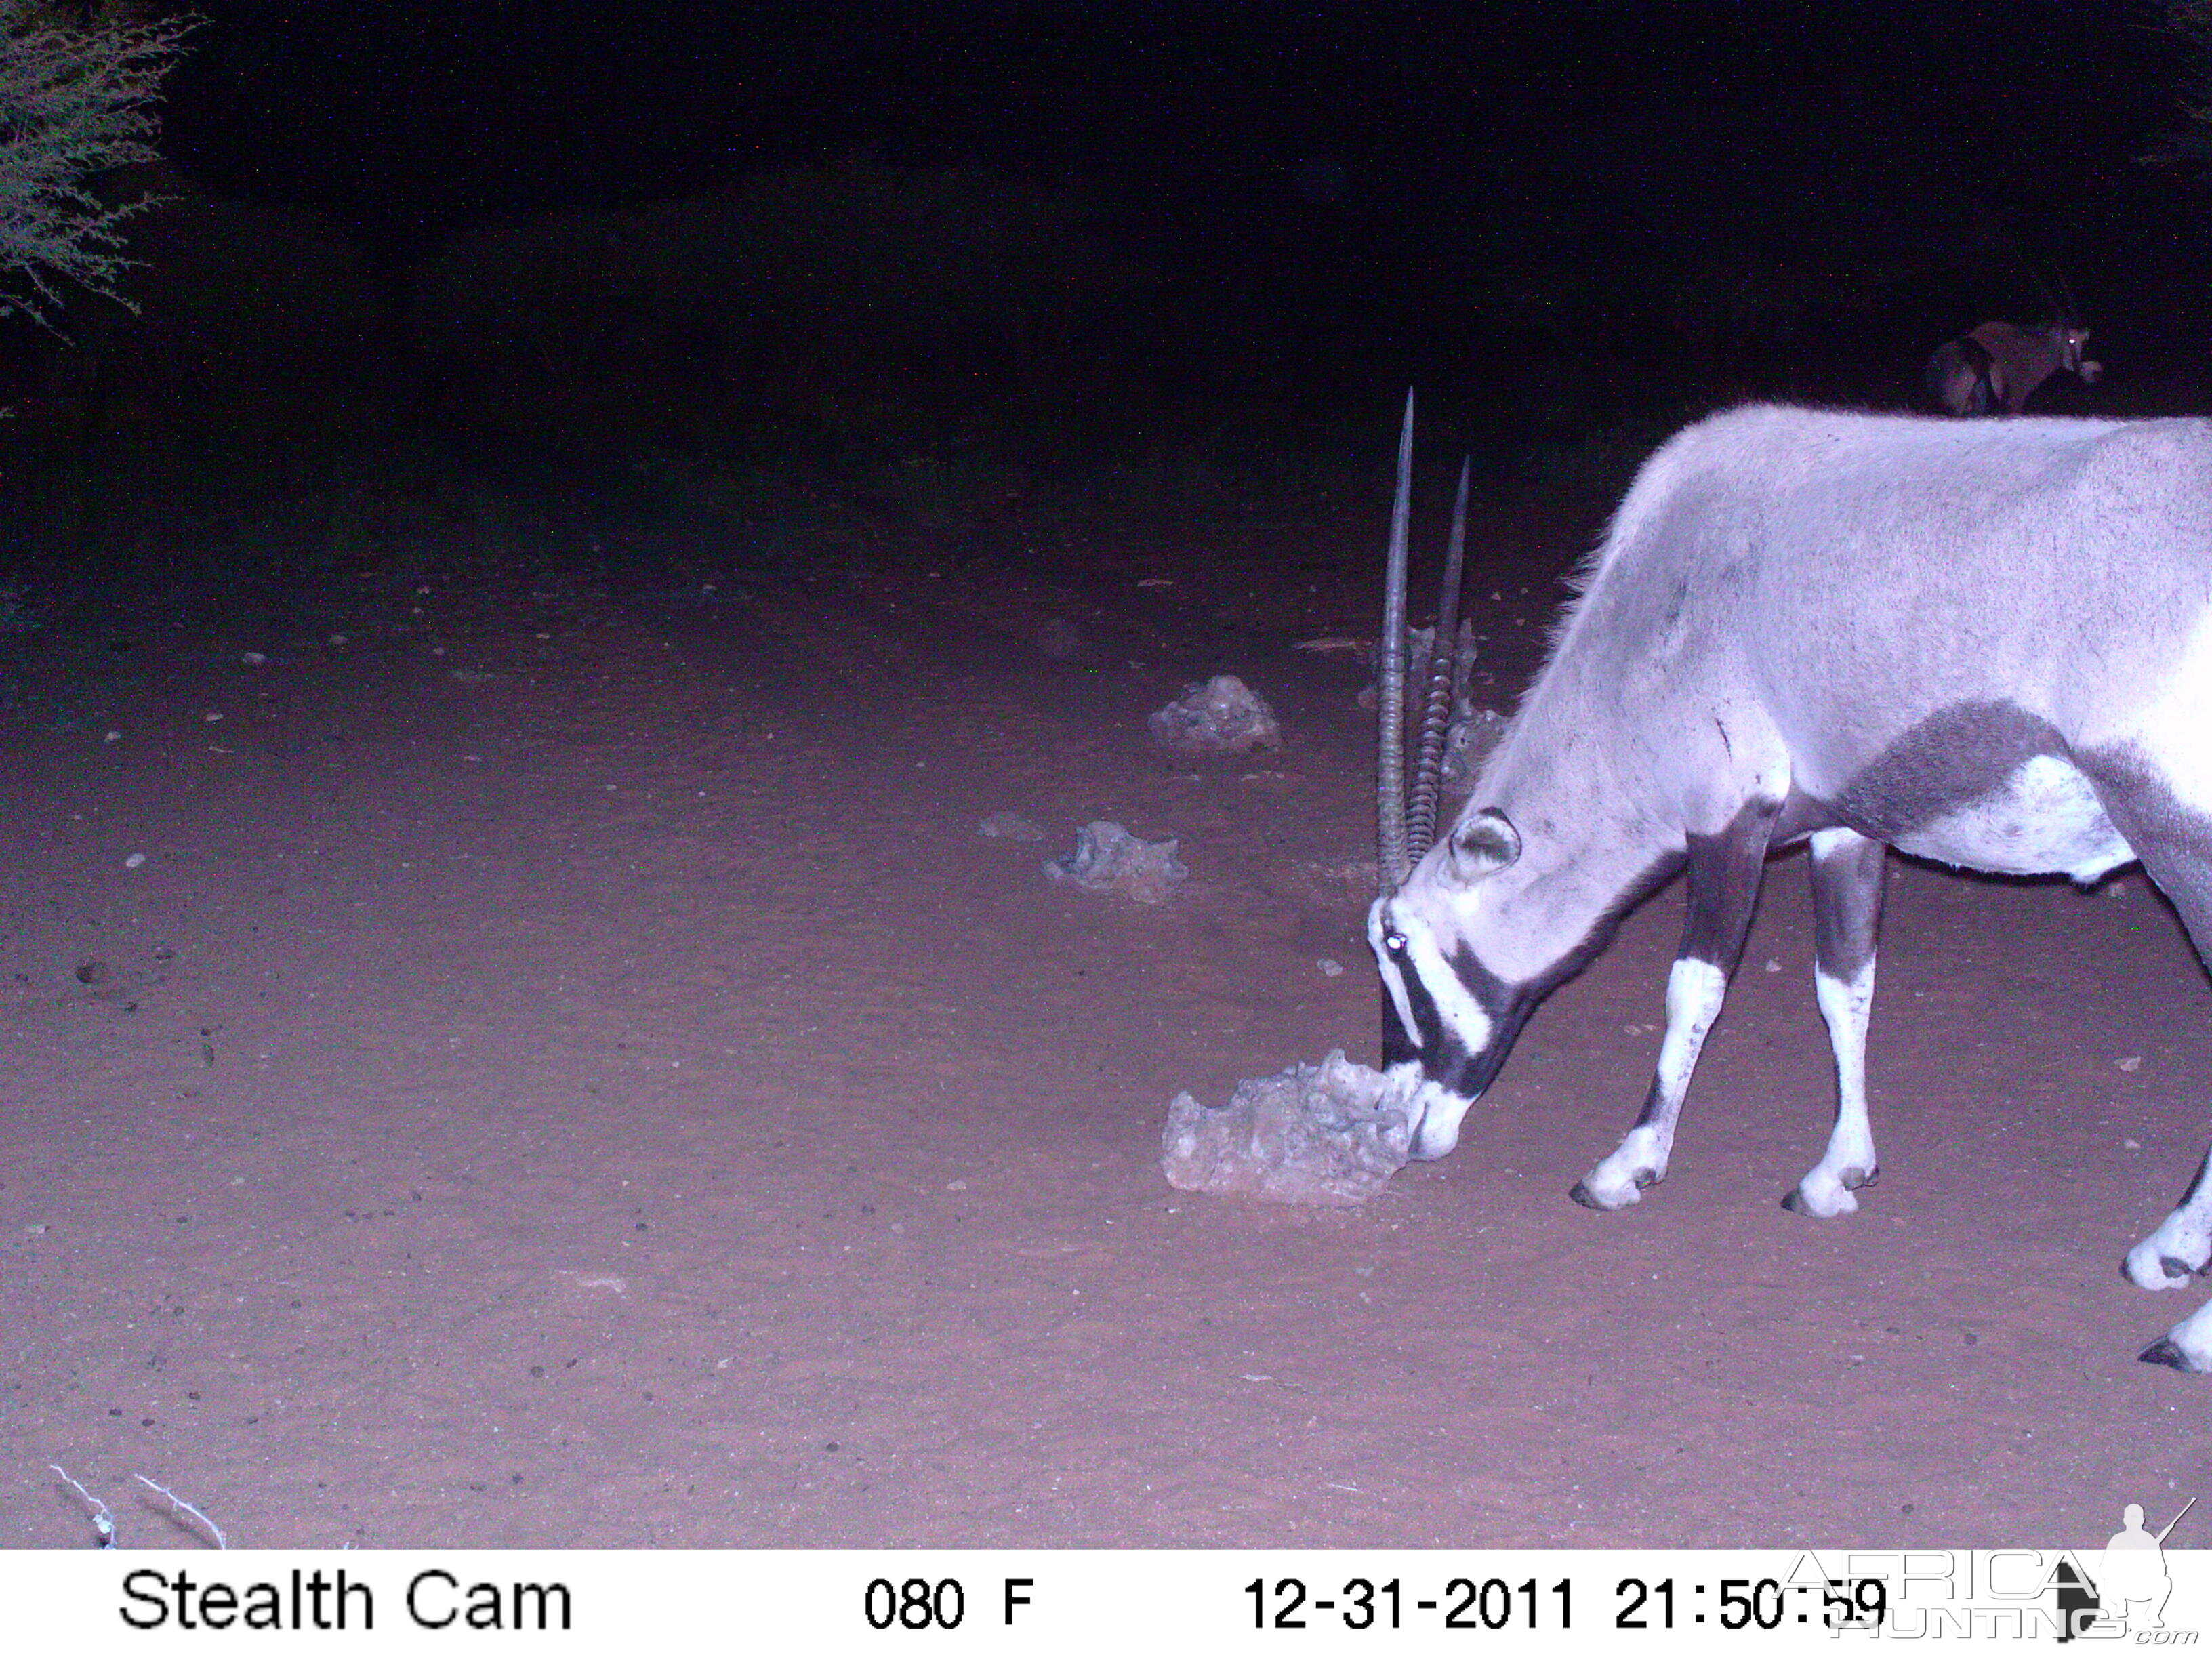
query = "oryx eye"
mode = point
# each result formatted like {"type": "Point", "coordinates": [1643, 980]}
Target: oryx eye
{"type": "Point", "coordinates": [1395, 943]}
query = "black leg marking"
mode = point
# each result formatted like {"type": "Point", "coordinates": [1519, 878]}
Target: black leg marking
{"type": "Point", "coordinates": [1725, 872]}
{"type": "Point", "coordinates": [1848, 873]}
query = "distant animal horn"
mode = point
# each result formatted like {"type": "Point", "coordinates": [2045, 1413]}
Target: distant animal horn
{"type": "Point", "coordinates": [1444, 681]}
{"type": "Point", "coordinates": [1391, 863]}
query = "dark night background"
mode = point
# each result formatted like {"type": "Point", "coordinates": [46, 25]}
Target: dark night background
{"type": "Point", "coordinates": [974, 252]}
{"type": "Point", "coordinates": [542, 671]}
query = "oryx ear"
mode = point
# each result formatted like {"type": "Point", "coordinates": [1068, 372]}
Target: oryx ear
{"type": "Point", "coordinates": [1481, 847]}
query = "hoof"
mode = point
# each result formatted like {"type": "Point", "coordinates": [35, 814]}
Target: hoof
{"type": "Point", "coordinates": [1591, 1199]}
{"type": "Point", "coordinates": [1821, 1205]}
{"type": "Point", "coordinates": [2166, 1351]}
{"type": "Point", "coordinates": [2150, 1268]}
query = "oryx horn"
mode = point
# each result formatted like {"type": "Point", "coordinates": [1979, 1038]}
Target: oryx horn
{"type": "Point", "coordinates": [1391, 863]}
{"type": "Point", "coordinates": [1443, 683]}
{"type": "Point", "coordinates": [1405, 830]}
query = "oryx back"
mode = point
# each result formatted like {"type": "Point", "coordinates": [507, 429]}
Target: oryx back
{"type": "Point", "coordinates": [1929, 628]}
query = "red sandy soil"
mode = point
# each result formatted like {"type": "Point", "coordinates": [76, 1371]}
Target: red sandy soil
{"type": "Point", "coordinates": [595, 1086]}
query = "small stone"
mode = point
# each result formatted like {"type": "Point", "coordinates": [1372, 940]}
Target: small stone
{"type": "Point", "coordinates": [1008, 826]}
{"type": "Point", "coordinates": [1225, 716]}
{"type": "Point", "coordinates": [1107, 858]}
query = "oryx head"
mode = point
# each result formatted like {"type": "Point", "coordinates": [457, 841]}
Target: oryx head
{"type": "Point", "coordinates": [2070, 342]}
{"type": "Point", "coordinates": [1472, 932]}
{"type": "Point", "coordinates": [1447, 1009]}
{"type": "Point", "coordinates": [1454, 996]}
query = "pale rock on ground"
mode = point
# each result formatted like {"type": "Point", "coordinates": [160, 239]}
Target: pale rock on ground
{"type": "Point", "coordinates": [1225, 716]}
{"type": "Point", "coordinates": [1107, 858]}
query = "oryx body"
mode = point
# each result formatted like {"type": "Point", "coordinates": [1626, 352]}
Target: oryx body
{"type": "Point", "coordinates": [1987, 643]}
{"type": "Point", "coordinates": [1999, 365]}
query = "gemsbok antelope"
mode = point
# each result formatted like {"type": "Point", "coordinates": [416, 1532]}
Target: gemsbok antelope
{"type": "Point", "coordinates": [1999, 366]}
{"type": "Point", "coordinates": [1985, 644]}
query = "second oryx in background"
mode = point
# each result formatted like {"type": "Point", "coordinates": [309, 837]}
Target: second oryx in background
{"type": "Point", "coordinates": [1987, 643]}
{"type": "Point", "coordinates": [1998, 366]}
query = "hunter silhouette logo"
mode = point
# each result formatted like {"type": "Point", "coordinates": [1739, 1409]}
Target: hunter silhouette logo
{"type": "Point", "coordinates": [2131, 1584]}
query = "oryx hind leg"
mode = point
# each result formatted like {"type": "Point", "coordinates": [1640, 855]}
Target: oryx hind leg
{"type": "Point", "coordinates": [1724, 876]}
{"type": "Point", "coordinates": [1847, 882]}
{"type": "Point", "coordinates": [2174, 838]}
{"type": "Point", "coordinates": [2180, 1247]}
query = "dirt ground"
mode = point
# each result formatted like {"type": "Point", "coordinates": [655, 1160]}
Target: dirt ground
{"type": "Point", "coordinates": [566, 1070]}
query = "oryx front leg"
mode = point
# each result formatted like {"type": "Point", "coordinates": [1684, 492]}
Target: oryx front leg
{"type": "Point", "coordinates": [1724, 876]}
{"type": "Point", "coordinates": [1847, 883]}
{"type": "Point", "coordinates": [1695, 991]}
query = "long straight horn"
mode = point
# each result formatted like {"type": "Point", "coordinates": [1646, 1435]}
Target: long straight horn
{"type": "Point", "coordinates": [1443, 678]}
{"type": "Point", "coordinates": [2068, 312]}
{"type": "Point", "coordinates": [1391, 863]}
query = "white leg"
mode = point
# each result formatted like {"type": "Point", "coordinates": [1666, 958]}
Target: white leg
{"type": "Point", "coordinates": [1695, 991]}
{"type": "Point", "coordinates": [1848, 1163]}
{"type": "Point", "coordinates": [2172, 831]}
{"type": "Point", "coordinates": [1848, 871]}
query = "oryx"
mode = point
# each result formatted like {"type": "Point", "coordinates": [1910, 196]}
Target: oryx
{"type": "Point", "coordinates": [1986, 643]}
{"type": "Point", "coordinates": [1998, 366]}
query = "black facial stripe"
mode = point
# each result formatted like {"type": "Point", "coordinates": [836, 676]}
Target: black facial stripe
{"type": "Point", "coordinates": [1397, 1047]}
{"type": "Point", "coordinates": [1444, 1058]}
{"type": "Point", "coordinates": [1648, 881]}
{"type": "Point", "coordinates": [1437, 1042]}
{"type": "Point", "coordinates": [1476, 1072]}
{"type": "Point", "coordinates": [1510, 1005]}
{"type": "Point", "coordinates": [1485, 986]}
